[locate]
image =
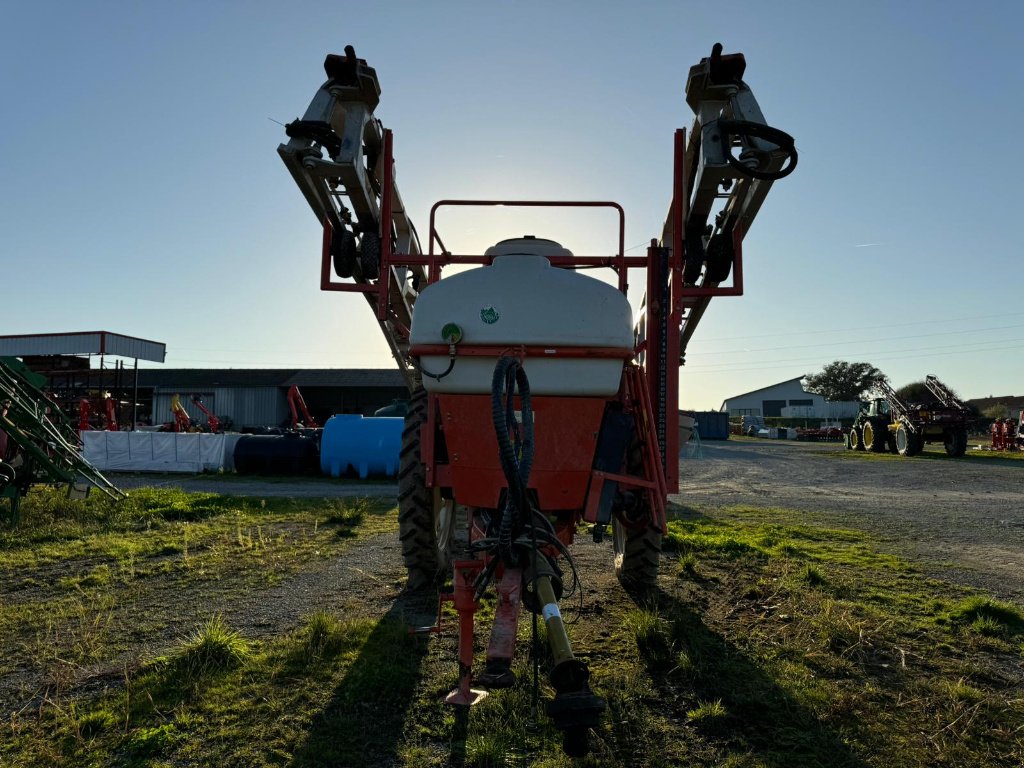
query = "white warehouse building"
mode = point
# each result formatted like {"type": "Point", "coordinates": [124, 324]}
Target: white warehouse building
{"type": "Point", "coordinates": [788, 399]}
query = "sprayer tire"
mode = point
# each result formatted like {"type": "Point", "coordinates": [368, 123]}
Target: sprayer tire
{"type": "Point", "coordinates": [416, 529]}
{"type": "Point", "coordinates": [955, 442]}
{"type": "Point", "coordinates": [874, 436]}
{"type": "Point", "coordinates": [637, 552]}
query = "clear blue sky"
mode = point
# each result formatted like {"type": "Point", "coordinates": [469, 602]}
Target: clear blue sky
{"type": "Point", "coordinates": [141, 191]}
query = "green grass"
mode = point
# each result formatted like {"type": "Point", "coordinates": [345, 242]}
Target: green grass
{"type": "Point", "coordinates": [707, 711]}
{"type": "Point", "coordinates": [746, 531]}
{"type": "Point", "coordinates": [988, 616]}
{"type": "Point", "coordinates": [85, 582]}
{"type": "Point", "coordinates": [212, 647]}
{"type": "Point", "coordinates": [933, 451]}
{"type": "Point", "coordinates": [771, 641]}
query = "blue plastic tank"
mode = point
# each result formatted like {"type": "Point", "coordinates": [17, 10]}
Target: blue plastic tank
{"type": "Point", "coordinates": [367, 446]}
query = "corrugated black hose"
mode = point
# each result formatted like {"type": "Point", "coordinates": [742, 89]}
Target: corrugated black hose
{"type": "Point", "coordinates": [515, 448]}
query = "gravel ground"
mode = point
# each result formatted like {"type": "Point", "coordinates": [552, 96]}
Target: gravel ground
{"type": "Point", "coordinates": [962, 519]}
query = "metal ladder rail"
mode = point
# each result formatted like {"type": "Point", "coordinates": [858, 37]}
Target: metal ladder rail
{"type": "Point", "coordinates": [942, 392]}
{"type": "Point", "coordinates": [898, 408]}
{"type": "Point", "coordinates": [33, 399]}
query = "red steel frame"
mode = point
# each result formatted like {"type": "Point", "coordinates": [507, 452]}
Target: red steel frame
{"type": "Point", "coordinates": [681, 297]}
{"type": "Point", "coordinates": [640, 391]}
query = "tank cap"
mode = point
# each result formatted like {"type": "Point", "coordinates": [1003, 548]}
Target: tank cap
{"type": "Point", "coordinates": [528, 245]}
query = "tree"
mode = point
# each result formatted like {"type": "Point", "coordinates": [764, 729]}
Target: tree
{"type": "Point", "coordinates": [915, 392]}
{"type": "Point", "coordinates": [841, 380]}
{"type": "Point", "coordinates": [918, 392]}
{"type": "Point", "coordinates": [997, 411]}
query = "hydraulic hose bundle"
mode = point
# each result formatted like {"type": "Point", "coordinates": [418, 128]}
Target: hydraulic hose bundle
{"type": "Point", "coordinates": [520, 532]}
{"type": "Point", "coordinates": [523, 538]}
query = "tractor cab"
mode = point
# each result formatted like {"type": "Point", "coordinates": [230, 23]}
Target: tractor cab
{"type": "Point", "coordinates": [879, 407]}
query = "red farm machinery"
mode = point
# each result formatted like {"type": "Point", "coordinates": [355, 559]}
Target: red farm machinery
{"type": "Point", "coordinates": [537, 405]}
{"type": "Point", "coordinates": [1008, 434]}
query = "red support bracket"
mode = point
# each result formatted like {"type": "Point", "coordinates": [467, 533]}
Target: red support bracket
{"type": "Point", "coordinates": [464, 598]}
{"type": "Point", "coordinates": [506, 617]}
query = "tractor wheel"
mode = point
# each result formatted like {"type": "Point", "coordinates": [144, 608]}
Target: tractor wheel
{"type": "Point", "coordinates": [907, 443]}
{"type": "Point", "coordinates": [890, 442]}
{"type": "Point", "coordinates": [856, 439]}
{"type": "Point", "coordinates": [956, 442]}
{"type": "Point", "coordinates": [420, 513]}
{"type": "Point", "coordinates": [874, 437]}
{"type": "Point", "coordinates": [637, 552]}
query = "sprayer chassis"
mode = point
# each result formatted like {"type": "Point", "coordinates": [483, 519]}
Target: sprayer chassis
{"type": "Point", "coordinates": [600, 460]}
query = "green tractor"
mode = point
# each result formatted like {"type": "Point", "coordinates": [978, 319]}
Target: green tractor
{"type": "Point", "coordinates": [871, 429]}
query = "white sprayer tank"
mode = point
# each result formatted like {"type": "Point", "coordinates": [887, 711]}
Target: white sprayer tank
{"type": "Point", "coordinates": [522, 300]}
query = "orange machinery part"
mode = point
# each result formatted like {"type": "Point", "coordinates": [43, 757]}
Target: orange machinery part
{"type": "Point", "coordinates": [566, 435]}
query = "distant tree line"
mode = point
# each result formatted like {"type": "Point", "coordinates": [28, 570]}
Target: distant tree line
{"type": "Point", "coordinates": [842, 380]}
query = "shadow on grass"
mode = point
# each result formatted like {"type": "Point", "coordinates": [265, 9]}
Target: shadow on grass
{"type": "Point", "coordinates": [362, 724]}
{"type": "Point", "coordinates": [763, 719]}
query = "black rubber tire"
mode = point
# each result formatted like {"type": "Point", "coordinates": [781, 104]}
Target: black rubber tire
{"type": "Point", "coordinates": [637, 553]}
{"type": "Point", "coordinates": [874, 436]}
{"type": "Point", "coordinates": [907, 442]}
{"type": "Point", "coordinates": [856, 439]}
{"type": "Point", "coordinates": [343, 252]}
{"type": "Point", "coordinates": [719, 259]}
{"type": "Point", "coordinates": [890, 442]}
{"type": "Point", "coordinates": [369, 255]}
{"type": "Point", "coordinates": [956, 443]}
{"type": "Point", "coordinates": [7, 475]}
{"type": "Point", "coordinates": [416, 524]}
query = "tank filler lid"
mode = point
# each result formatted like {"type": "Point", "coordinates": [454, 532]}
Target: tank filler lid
{"type": "Point", "coordinates": [528, 245]}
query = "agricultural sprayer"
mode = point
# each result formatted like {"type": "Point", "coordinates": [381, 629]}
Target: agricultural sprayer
{"type": "Point", "coordinates": [537, 406]}
{"type": "Point", "coordinates": [38, 445]}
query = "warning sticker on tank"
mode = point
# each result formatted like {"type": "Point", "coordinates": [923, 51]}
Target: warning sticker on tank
{"type": "Point", "coordinates": [489, 315]}
{"type": "Point", "coordinates": [550, 611]}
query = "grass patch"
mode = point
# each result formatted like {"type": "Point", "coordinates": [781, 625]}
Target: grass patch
{"type": "Point", "coordinates": [213, 647]}
{"type": "Point", "coordinates": [798, 645]}
{"type": "Point", "coordinates": [708, 711]}
{"type": "Point", "coordinates": [987, 616]}
{"type": "Point", "coordinates": [811, 576]}
{"type": "Point", "coordinates": [649, 631]}
{"type": "Point", "coordinates": [933, 451]}
{"type": "Point", "coordinates": [749, 532]}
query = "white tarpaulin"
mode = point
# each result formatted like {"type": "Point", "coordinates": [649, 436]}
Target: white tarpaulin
{"type": "Point", "coordinates": [154, 451]}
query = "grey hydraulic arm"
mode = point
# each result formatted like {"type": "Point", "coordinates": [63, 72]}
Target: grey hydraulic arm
{"type": "Point", "coordinates": [734, 156]}
{"type": "Point", "coordinates": [334, 156]}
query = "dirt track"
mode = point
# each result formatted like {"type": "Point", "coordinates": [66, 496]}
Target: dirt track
{"type": "Point", "coordinates": [962, 519]}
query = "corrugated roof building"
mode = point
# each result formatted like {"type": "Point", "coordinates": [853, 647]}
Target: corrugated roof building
{"type": "Point", "coordinates": [257, 397]}
{"type": "Point", "coordinates": [788, 399]}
